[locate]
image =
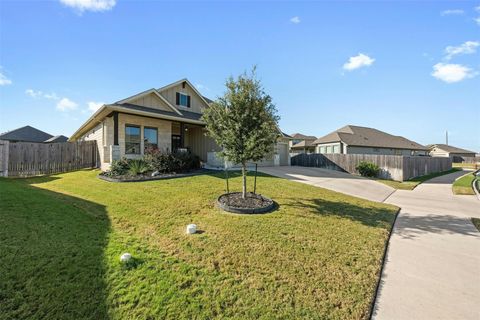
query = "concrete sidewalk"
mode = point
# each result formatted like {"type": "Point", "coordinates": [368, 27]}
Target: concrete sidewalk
{"type": "Point", "coordinates": [432, 268]}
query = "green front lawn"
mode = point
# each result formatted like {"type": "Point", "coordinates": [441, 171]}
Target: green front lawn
{"type": "Point", "coordinates": [412, 183]}
{"type": "Point", "coordinates": [464, 185]}
{"type": "Point", "coordinates": [317, 257]}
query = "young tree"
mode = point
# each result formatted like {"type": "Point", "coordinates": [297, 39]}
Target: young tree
{"type": "Point", "coordinates": [244, 122]}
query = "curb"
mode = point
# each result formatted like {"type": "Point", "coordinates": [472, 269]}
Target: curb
{"type": "Point", "coordinates": [385, 251]}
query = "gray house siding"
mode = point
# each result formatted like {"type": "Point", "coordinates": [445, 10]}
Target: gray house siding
{"type": "Point", "coordinates": [338, 147]}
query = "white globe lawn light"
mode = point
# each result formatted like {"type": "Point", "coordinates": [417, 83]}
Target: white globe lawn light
{"type": "Point", "coordinates": [125, 257]}
{"type": "Point", "coordinates": [191, 228]}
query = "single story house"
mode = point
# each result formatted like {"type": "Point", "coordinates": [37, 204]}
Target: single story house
{"type": "Point", "coordinates": [301, 143]}
{"type": "Point", "coordinates": [445, 150]}
{"type": "Point", "coordinates": [31, 134]}
{"type": "Point", "coordinates": [168, 118]}
{"type": "Point", "coordinates": [362, 140]}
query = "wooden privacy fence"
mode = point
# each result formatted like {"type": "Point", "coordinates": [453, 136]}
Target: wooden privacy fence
{"type": "Point", "coordinates": [391, 167]}
{"type": "Point", "coordinates": [458, 159]}
{"type": "Point", "coordinates": [25, 159]}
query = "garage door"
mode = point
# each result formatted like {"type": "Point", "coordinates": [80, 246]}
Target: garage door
{"type": "Point", "coordinates": [282, 149]}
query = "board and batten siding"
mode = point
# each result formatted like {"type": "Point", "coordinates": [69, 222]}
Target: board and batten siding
{"type": "Point", "coordinates": [199, 143]}
{"type": "Point", "coordinates": [196, 103]}
{"type": "Point", "coordinates": [152, 101]}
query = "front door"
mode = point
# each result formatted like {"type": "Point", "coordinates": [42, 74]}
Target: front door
{"type": "Point", "coordinates": [176, 142]}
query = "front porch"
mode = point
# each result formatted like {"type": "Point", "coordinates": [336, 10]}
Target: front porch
{"type": "Point", "coordinates": [130, 136]}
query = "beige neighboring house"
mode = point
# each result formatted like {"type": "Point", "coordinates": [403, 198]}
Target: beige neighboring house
{"type": "Point", "coordinates": [301, 143]}
{"type": "Point", "coordinates": [362, 140]}
{"type": "Point", "coordinates": [168, 118]}
{"type": "Point", "coordinates": [444, 150]}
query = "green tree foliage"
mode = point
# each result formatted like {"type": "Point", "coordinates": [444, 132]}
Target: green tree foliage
{"type": "Point", "coordinates": [244, 122]}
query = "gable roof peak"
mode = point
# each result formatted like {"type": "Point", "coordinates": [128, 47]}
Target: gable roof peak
{"type": "Point", "coordinates": [173, 84]}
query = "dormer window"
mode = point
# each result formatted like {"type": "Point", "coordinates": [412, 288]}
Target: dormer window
{"type": "Point", "coordinates": [183, 100]}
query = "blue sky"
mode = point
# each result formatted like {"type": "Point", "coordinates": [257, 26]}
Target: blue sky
{"type": "Point", "coordinates": [411, 68]}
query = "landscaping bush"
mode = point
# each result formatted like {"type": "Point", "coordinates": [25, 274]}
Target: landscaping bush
{"type": "Point", "coordinates": [119, 167]}
{"type": "Point", "coordinates": [166, 162]}
{"type": "Point", "coordinates": [137, 167]}
{"type": "Point", "coordinates": [186, 161]}
{"type": "Point", "coordinates": [368, 169]}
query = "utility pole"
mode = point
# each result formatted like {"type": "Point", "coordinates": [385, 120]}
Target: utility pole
{"type": "Point", "coordinates": [446, 137]}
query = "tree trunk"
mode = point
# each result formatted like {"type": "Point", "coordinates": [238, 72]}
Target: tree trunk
{"type": "Point", "coordinates": [244, 180]}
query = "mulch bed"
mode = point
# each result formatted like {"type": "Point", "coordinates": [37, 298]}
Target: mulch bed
{"type": "Point", "coordinates": [253, 203]}
{"type": "Point", "coordinates": [148, 177]}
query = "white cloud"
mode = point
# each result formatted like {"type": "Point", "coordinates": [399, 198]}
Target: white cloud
{"type": "Point", "coordinates": [66, 104]}
{"type": "Point", "coordinates": [40, 94]}
{"type": "Point", "coordinates": [477, 9]}
{"type": "Point", "coordinates": [452, 12]}
{"type": "Point", "coordinates": [4, 81]}
{"type": "Point", "coordinates": [34, 94]}
{"type": "Point", "coordinates": [90, 5]}
{"type": "Point", "coordinates": [467, 47]}
{"type": "Point", "coordinates": [295, 20]}
{"type": "Point", "coordinates": [358, 61]}
{"type": "Point", "coordinates": [94, 106]}
{"type": "Point", "coordinates": [477, 20]}
{"type": "Point", "coordinates": [450, 73]}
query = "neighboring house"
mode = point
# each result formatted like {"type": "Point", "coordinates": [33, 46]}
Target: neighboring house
{"type": "Point", "coordinates": [362, 140]}
{"type": "Point", "coordinates": [30, 134]}
{"type": "Point", "coordinates": [60, 138]}
{"type": "Point", "coordinates": [301, 143]}
{"type": "Point", "coordinates": [168, 118]}
{"type": "Point", "coordinates": [444, 150]}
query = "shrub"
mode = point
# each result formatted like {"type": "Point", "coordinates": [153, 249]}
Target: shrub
{"type": "Point", "coordinates": [166, 162]}
{"type": "Point", "coordinates": [137, 166]}
{"type": "Point", "coordinates": [119, 167]}
{"type": "Point", "coordinates": [368, 169]}
{"type": "Point", "coordinates": [186, 161]}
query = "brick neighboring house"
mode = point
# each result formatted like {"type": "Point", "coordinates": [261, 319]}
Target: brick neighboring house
{"type": "Point", "coordinates": [363, 140]}
{"type": "Point", "coordinates": [301, 143]}
{"type": "Point", "coordinates": [31, 134]}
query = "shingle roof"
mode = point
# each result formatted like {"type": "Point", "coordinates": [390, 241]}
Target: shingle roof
{"type": "Point", "coordinates": [304, 144]}
{"type": "Point", "coordinates": [302, 136]}
{"type": "Point", "coordinates": [207, 99]}
{"type": "Point", "coordinates": [185, 114]}
{"type": "Point", "coordinates": [27, 133]}
{"type": "Point", "coordinates": [59, 138]}
{"type": "Point", "coordinates": [369, 137]}
{"type": "Point", "coordinates": [450, 149]}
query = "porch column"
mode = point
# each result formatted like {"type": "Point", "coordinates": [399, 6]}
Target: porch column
{"type": "Point", "coordinates": [182, 135]}
{"type": "Point", "coordinates": [115, 128]}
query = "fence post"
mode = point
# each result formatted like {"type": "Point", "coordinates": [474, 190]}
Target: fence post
{"type": "Point", "coordinates": [4, 146]}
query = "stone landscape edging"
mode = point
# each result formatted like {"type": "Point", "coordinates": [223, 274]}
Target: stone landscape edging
{"type": "Point", "coordinates": [228, 208]}
{"type": "Point", "coordinates": [159, 177]}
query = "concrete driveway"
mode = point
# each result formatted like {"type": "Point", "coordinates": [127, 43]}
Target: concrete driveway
{"type": "Point", "coordinates": [432, 267]}
{"type": "Point", "coordinates": [333, 180]}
